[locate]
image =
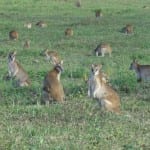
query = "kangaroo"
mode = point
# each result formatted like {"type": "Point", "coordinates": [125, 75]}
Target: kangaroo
{"type": "Point", "coordinates": [13, 35]}
{"type": "Point", "coordinates": [98, 13]}
{"type": "Point", "coordinates": [16, 70]}
{"type": "Point", "coordinates": [98, 89]}
{"type": "Point", "coordinates": [142, 71]}
{"type": "Point", "coordinates": [28, 25]}
{"type": "Point", "coordinates": [128, 29]}
{"type": "Point", "coordinates": [52, 87]}
{"type": "Point", "coordinates": [69, 32]}
{"type": "Point", "coordinates": [102, 49]}
{"type": "Point", "coordinates": [52, 56]}
{"type": "Point", "coordinates": [41, 24]}
{"type": "Point", "coordinates": [27, 44]}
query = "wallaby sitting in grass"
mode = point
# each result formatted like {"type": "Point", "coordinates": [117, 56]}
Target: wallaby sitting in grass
{"type": "Point", "coordinates": [98, 89]}
{"type": "Point", "coordinates": [69, 32]}
{"type": "Point", "coordinates": [102, 49]}
{"type": "Point", "coordinates": [128, 29]}
{"type": "Point", "coordinates": [52, 87]}
{"type": "Point", "coordinates": [26, 44]}
{"type": "Point", "coordinates": [13, 35]}
{"type": "Point", "coordinates": [142, 71]}
{"type": "Point", "coordinates": [17, 71]}
{"type": "Point", "coordinates": [51, 56]}
{"type": "Point", "coordinates": [41, 24]}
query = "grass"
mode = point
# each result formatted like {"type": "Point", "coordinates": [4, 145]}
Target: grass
{"type": "Point", "coordinates": [78, 123]}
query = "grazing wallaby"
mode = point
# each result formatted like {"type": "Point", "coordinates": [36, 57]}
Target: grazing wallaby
{"type": "Point", "coordinates": [28, 25]}
{"type": "Point", "coordinates": [142, 71]}
{"type": "Point", "coordinates": [52, 87]}
{"type": "Point", "coordinates": [98, 89]}
{"type": "Point", "coordinates": [103, 48]}
{"type": "Point", "coordinates": [69, 32]}
{"type": "Point", "coordinates": [128, 29]}
{"type": "Point", "coordinates": [41, 24]}
{"type": "Point", "coordinates": [52, 56]}
{"type": "Point", "coordinates": [98, 13]}
{"type": "Point", "coordinates": [16, 70]}
{"type": "Point", "coordinates": [13, 35]}
{"type": "Point", "coordinates": [27, 44]}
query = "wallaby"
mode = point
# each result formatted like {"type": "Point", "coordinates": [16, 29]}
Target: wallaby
{"type": "Point", "coordinates": [52, 87]}
{"type": "Point", "coordinates": [78, 3]}
{"type": "Point", "coordinates": [142, 71]}
{"type": "Point", "coordinates": [27, 44]}
{"type": "Point", "coordinates": [13, 35]}
{"type": "Point", "coordinates": [102, 49]}
{"type": "Point", "coordinates": [17, 71]}
{"type": "Point", "coordinates": [51, 56]}
{"type": "Point", "coordinates": [128, 29]}
{"type": "Point", "coordinates": [28, 25]}
{"type": "Point", "coordinates": [98, 13]}
{"type": "Point", "coordinates": [69, 32]}
{"type": "Point", "coordinates": [41, 24]}
{"type": "Point", "coordinates": [98, 89]}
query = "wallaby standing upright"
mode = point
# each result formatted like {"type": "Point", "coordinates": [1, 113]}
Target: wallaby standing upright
{"type": "Point", "coordinates": [98, 89]}
{"type": "Point", "coordinates": [52, 87]}
{"type": "Point", "coordinates": [17, 71]}
{"type": "Point", "coordinates": [142, 71]}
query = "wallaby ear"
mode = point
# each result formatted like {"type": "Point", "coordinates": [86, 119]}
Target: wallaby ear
{"type": "Point", "coordinates": [100, 66]}
{"type": "Point", "coordinates": [15, 52]}
{"type": "Point", "coordinates": [61, 62]}
{"type": "Point", "coordinates": [92, 66]}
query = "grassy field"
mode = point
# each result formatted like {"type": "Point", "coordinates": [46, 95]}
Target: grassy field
{"type": "Point", "coordinates": [78, 124]}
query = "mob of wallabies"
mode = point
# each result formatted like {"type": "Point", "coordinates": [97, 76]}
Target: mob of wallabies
{"type": "Point", "coordinates": [52, 89]}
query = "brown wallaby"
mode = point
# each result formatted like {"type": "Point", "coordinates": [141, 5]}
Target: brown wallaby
{"type": "Point", "coordinates": [52, 87]}
{"type": "Point", "coordinates": [98, 89]}
{"type": "Point", "coordinates": [69, 32]}
{"type": "Point", "coordinates": [28, 25]}
{"type": "Point", "coordinates": [27, 44]}
{"type": "Point", "coordinates": [13, 35]}
{"type": "Point", "coordinates": [41, 24]}
{"type": "Point", "coordinates": [102, 49]}
{"type": "Point", "coordinates": [17, 71]}
{"type": "Point", "coordinates": [98, 13]}
{"type": "Point", "coordinates": [142, 71]}
{"type": "Point", "coordinates": [51, 56]}
{"type": "Point", "coordinates": [128, 29]}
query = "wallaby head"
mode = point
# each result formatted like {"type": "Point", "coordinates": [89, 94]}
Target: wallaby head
{"type": "Point", "coordinates": [134, 65]}
{"type": "Point", "coordinates": [11, 56]}
{"type": "Point", "coordinates": [58, 67]}
{"type": "Point", "coordinates": [95, 68]}
{"type": "Point", "coordinates": [13, 35]}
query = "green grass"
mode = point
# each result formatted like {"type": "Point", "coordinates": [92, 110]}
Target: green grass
{"type": "Point", "coordinates": [78, 123]}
